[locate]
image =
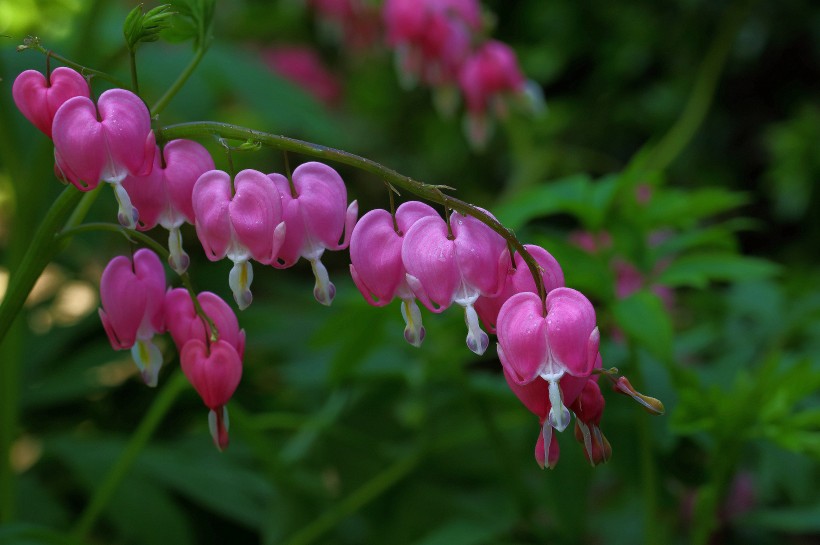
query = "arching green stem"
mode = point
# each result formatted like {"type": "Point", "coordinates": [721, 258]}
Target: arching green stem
{"type": "Point", "coordinates": [432, 193]}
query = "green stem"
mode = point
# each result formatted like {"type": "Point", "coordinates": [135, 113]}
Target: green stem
{"type": "Point", "coordinates": [159, 408]}
{"type": "Point", "coordinates": [363, 495]}
{"type": "Point", "coordinates": [703, 92]}
{"type": "Point", "coordinates": [41, 251]}
{"type": "Point", "coordinates": [433, 193]}
{"type": "Point", "coordinates": [160, 105]}
{"type": "Point", "coordinates": [653, 530]}
{"type": "Point", "coordinates": [34, 43]}
{"type": "Point", "coordinates": [132, 61]}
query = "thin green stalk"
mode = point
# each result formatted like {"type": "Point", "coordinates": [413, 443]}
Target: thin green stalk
{"type": "Point", "coordinates": [653, 530]}
{"type": "Point", "coordinates": [433, 193]}
{"type": "Point", "coordinates": [41, 251]}
{"type": "Point", "coordinates": [132, 61]}
{"type": "Point", "coordinates": [703, 92]}
{"type": "Point", "coordinates": [160, 105]}
{"type": "Point", "coordinates": [34, 43]}
{"type": "Point", "coordinates": [360, 497]}
{"type": "Point", "coordinates": [159, 408]}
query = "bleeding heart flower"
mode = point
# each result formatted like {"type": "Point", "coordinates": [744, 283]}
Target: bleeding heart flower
{"type": "Point", "coordinates": [589, 408]}
{"type": "Point", "coordinates": [164, 196]}
{"type": "Point", "coordinates": [107, 142]}
{"type": "Point", "coordinates": [242, 225]}
{"type": "Point", "coordinates": [132, 295]}
{"type": "Point", "coordinates": [214, 369]}
{"type": "Point", "coordinates": [377, 268]}
{"type": "Point", "coordinates": [519, 279]}
{"type": "Point", "coordinates": [315, 211]}
{"type": "Point", "coordinates": [185, 324]}
{"type": "Point", "coordinates": [39, 99]}
{"type": "Point", "coordinates": [443, 268]}
{"type": "Point", "coordinates": [532, 345]}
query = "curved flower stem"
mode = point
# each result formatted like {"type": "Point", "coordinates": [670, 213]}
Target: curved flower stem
{"type": "Point", "coordinates": [433, 193]}
{"type": "Point", "coordinates": [41, 251]}
{"type": "Point", "coordinates": [163, 101]}
{"type": "Point", "coordinates": [703, 91]}
{"type": "Point", "coordinates": [34, 43]}
{"type": "Point", "coordinates": [159, 408]}
{"type": "Point", "coordinates": [133, 235]}
{"type": "Point", "coordinates": [360, 497]}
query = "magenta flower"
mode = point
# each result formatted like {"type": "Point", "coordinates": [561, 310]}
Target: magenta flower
{"type": "Point", "coordinates": [565, 341]}
{"type": "Point", "coordinates": [132, 295]}
{"type": "Point", "coordinates": [214, 369]}
{"type": "Point", "coordinates": [185, 324]}
{"type": "Point", "coordinates": [535, 396]}
{"type": "Point", "coordinates": [38, 98]}
{"type": "Point", "coordinates": [242, 225]}
{"type": "Point", "coordinates": [303, 66]}
{"type": "Point", "coordinates": [107, 142]}
{"type": "Point", "coordinates": [164, 196]}
{"type": "Point", "coordinates": [487, 79]}
{"type": "Point", "coordinates": [315, 210]}
{"type": "Point", "coordinates": [377, 268]}
{"type": "Point", "coordinates": [589, 408]}
{"type": "Point", "coordinates": [443, 268]}
{"type": "Point", "coordinates": [519, 279]}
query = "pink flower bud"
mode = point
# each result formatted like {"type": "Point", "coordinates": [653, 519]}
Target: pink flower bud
{"type": "Point", "coordinates": [214, 370]}
{"type": "Point", "coordinates": [442, 269]}
{"type": "Point", "coordinates": [316, 216]}
{"type": "Point", "coordinates": [303, 66]}
{"type": "Point", "coordinates": [519, 279]}
{"type": "Point", "coordinates": [106, 142]}
{"type": "Point", "coordinates": [589, 408]}
{"type": "Point", "coordinates": [164, 196]}
{"type": "Point", "coordinates": [38, 100]}
{"type": "Point", "coordinates": [241, 226]}
{"type": "Point", "coordinates": [132, 295]}
{"type": "Point", "coordinates": [185, 324]}
{"type": "Point", "coordinates": [377, 268]}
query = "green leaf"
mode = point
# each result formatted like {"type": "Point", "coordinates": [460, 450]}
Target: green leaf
{"type": "Point", "coordinates": [680, 208]}
{"type": "Point", "coordinates": [799, 520]}
{"type": "Point", "coordinates": [146, 27]}
{"type": "Point", "coordinates": [193, 21]}
{"type": "Point", "coordinates": [29, 534]}
{"type": "Point", "coordinates": [643, 318]}
{"type": "Point", "coordinates": [700, 269]}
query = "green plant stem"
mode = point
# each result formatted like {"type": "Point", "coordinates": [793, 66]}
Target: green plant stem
{"type": "Point", "coordinates": [41, 251]}
{"type": "Point", "coordinates": [163, 101]}
{"type": "Point", "coordinates": [653, 530]}
{"type": "Point", "coordinates": [132, 61]}
{"type": "Point", "coordinates": [363, 495]}
{"type": "Point", "coordinates": [34, 43]}
{"type": "Point", "coordinates": [159, 408]}
{"type": "Point", "coordinates": [433, 193]}
{"type": "Point", "coordinates": [703, 92]}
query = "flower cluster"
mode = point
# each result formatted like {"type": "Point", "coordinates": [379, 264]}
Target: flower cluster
{"type": "Point", "coordinates": [547, 334]}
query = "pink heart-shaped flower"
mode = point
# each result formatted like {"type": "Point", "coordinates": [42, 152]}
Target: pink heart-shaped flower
{"type": "Point", "coordinates": [38, 100]}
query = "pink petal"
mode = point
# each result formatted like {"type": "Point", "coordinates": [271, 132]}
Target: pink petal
{"type": "Point", "coordinates": [127, 126]}
{"type": "Point", "coordinates": [213, 373]}
{"type": "Point", "coordinates": [375, 253]}
{"type": "Point", "coordinates": [522, 337]}
{"type": "Point", "coordinates": [571, 321]}
{"type": "Point", "coordinates": [147, 194]}
{"type": "Point", "coordinates": [185, 162]}
{"type": "Point", "coordinates": [481, 253]}
{"type": "Point", "coordinates": [430, 257]}
{"type": "Point", "coordinates": [323, 203]}
{"type": "Point", "coordinates": [39, 100]}
{"type": "Point", "coordinates": [255, 212]}
{"type": "Point", "coordinates": [295, 233]}
{"type": "Point", "coordinates": [79, 142]}
{"type": "Point", "coordinates": [185, 324]}
{"type": "Point", "coordinates": [211, 199]}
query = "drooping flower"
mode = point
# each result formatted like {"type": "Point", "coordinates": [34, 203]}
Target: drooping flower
{"type": "Point", "coordinates": [520, 279]}
{"type": "Point", "coordinates": [185, 324]}
{"type": "Point", "coordinates": [315, 210]}
{"type": "Point", "coordinates": [458, 264]}
{"type": "Point", "coordinates": [104, 142]}
{"type": "Point", "coordinates": [376, 264]}
{"type": "Point", "coordinates": [214, 369]}
{"type": "Point", "coordinates": [562, 342]}
{"type": "Point", "coordinates": [487, 79]}
{"type": "Point", "coordinates": [589, 408]}
{"type": "Point", "coordinates": [164, 196]}
{"type": "Point", "coordinates": [241, 225]}
{"type": "Point", "coordinates": [535, 396]}
{"type": "Point", "coordinates": [38, 98]}
{"type": "Point", "coordinates": [132, 295]}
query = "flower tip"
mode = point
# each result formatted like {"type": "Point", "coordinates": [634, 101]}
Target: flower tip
{"type": "Point", "coordinates": [218, 425]}
{"type": "Point", "coordinates": [413, 336]}
{"type": "Point", "coordinates": [650, 404]}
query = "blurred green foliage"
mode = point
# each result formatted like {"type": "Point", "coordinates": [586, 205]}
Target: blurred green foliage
{"type": "Point", "coordinates": [341, 433]}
